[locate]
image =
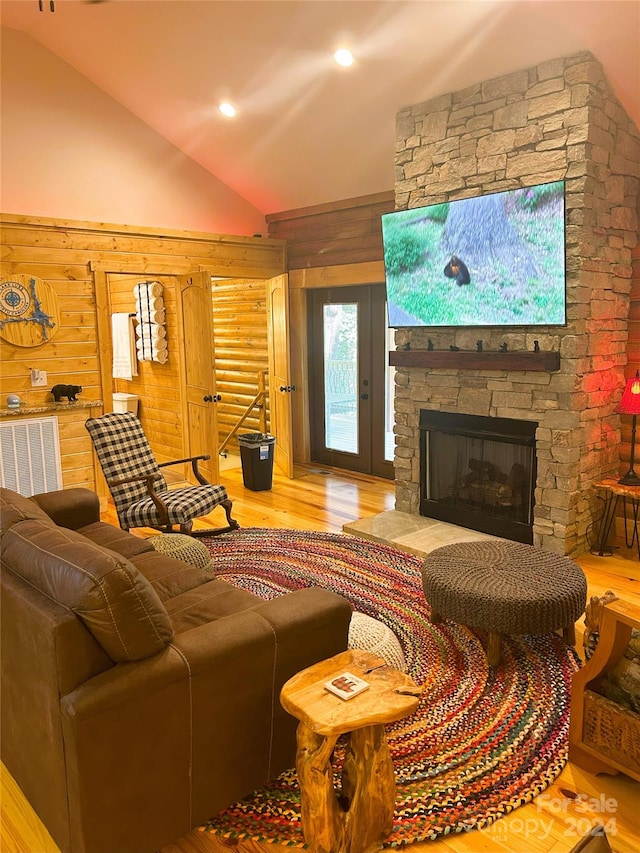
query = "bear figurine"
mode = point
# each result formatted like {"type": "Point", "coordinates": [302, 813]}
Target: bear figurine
{"type": "Point", "coordinates": [68, 391]}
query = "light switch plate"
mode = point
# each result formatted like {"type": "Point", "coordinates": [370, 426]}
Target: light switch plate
{"type": "Point", "coordinates": [38, 378]}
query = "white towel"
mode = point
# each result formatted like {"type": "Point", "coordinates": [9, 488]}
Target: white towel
{"type": "Point", "coordinates": [150, 346]}
{"type": "Point", "coordinates": [124, 350]}
{"type": "Point", "coordinates": [150, 330]}
{"type": "Point", "coordinates": [148, 288]}
{"type": "Point", "coordinates": [154, 303]}
{"type": "Point", "coordinates": [155, 317]}
{"type": "Point", "coordinates": [159, 355]}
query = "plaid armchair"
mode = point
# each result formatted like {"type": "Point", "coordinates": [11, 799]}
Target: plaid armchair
{"type": "Point", "coordinates": [139, 491]}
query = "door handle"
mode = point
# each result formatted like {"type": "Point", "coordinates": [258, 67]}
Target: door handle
{"type": "Point", "coordinates": [208, 398]}
{"type": "Point", "coordinates": [217, 398]}
{"type": "Point", "coordinates": [288, 388]}
{"type": "Point", "coordinates": [364, 396]}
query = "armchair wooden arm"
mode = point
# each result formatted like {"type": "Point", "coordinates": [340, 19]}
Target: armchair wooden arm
{"type": "Point", "coordinates": [194, 464]}
{"type": "Point", "coordinates": [148, 478]}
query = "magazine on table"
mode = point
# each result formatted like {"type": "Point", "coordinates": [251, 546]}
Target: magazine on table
{"type": "Point", "coordinates": [346, 685]}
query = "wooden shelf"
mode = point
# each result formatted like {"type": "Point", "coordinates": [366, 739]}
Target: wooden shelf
{"type": "Point", "coordinates": [540, 361]}
{"type": "Point", "coordinates": [48, 408]}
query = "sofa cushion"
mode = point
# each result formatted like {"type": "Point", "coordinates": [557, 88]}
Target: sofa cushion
{"type": "Point", "coordinates": [15, 508]}
{"type": "Point", "coordinates": [115, 602]}
{"type": "Point", "coordinates": [208, 603]}
{"type": "Point", "coordinates": [168, 576]}
{"type": "Point", "coordinates": [116, 539]}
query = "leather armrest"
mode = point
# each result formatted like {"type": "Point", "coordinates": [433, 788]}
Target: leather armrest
{"type": "Point", "coordinates": [72, 508]}
{"type": "Point", "coordinates": [310, 624]}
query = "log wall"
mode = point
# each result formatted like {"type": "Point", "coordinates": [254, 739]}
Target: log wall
{"type": "Point", "coordinates": [79, 260]}
{"type": "Point", "coordinates": [240, 336]}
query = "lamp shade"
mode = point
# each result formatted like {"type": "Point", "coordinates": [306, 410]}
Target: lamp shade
{"type": "Point", "coordinates": [630, 402]}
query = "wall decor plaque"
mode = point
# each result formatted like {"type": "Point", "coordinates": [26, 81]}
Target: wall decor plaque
{"type": "Point", "coordinates": [29, 313]}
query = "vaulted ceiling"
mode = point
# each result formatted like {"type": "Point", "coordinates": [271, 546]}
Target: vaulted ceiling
{"type": "Point", "coordinates": [308, 131]}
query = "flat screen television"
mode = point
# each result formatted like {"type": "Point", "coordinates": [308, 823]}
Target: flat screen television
{"type": "Point", "coordinates": [492, 260]}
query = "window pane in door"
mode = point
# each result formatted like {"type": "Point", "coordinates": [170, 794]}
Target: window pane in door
{"type": "Point", "coordinates": [340, 333]}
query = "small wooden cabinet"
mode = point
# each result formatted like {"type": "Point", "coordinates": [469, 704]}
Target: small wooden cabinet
{"type": "Point", "coordinates": [604, 737]}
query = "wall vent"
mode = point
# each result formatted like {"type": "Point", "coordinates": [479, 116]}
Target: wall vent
{"type": "Point", "coordinates": [30, 456]}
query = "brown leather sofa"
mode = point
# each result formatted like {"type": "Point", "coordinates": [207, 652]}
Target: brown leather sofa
{"type": "Point", "coordinates": [139, 695]}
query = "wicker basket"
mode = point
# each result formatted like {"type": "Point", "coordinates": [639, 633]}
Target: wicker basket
{"type": "Point", "coordinates": [612, 730]}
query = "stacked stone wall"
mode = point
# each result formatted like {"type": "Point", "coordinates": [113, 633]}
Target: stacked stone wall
{"type": "Point", "coordinates": [556, 121]}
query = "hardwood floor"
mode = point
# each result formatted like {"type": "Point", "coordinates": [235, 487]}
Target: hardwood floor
{"type": "Point", "coordinates": [324, 499]}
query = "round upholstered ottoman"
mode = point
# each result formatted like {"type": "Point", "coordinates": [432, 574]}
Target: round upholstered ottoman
{"type": "Point", "coordinates": [182, 547]}
{"type": "Point", "coordinates": [374, 636]}
{"type": "Point", "coordinates": [504, 588]}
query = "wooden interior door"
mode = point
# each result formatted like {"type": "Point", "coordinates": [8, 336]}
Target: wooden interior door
{"type": "Point", "coordinates": [197, 355]}
{"type": "Point", "coordinates": [280, 387]}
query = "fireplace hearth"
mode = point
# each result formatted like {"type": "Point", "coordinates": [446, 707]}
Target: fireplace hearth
{"type": "Point", "coordinates": [478, 472]}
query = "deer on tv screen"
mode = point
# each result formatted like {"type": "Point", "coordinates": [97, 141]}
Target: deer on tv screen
{"type": "Point", "coordinates": [493, 260]}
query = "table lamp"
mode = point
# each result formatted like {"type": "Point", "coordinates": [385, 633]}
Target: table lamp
{"type": "Point", "coordinates": [630, 405]}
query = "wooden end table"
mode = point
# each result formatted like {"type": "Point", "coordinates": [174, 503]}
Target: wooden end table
{"type": "Point", "coordinates": [613, 491]}
{"type": "Point", "coordinates": [359, 818]}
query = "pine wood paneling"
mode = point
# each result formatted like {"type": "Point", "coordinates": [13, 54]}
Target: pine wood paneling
{"type": "Point", "coordinates": [156, 385]}
{"type": "Point", "coordinates": [344, 232]}
{"type": "Point", "coordinates": [77, 259]}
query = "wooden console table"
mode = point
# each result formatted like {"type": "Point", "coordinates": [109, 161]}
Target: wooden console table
{"type": "Point", "coordinates": [613, 491]}
{"type": "Point", "coordinates": [362, 817]}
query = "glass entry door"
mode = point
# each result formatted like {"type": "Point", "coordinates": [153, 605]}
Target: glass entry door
{"type": "Point", "coordinates": [351, 384]}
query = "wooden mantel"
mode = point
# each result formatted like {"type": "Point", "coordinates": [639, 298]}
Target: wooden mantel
{"type": "Point", "coordinates": [540, 361]}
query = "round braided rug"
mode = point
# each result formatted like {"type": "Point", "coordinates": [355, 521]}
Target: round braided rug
{"type": "Point", "coordinates": [481, 743]}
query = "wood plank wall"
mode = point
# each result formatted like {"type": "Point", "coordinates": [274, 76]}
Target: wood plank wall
{"type": "Point", "coordinates": [343, 232]}
{"type": "Point", "coordinates": [240, 338]}
{"type": "Point", "coordinates": [157, 385]}
{"type": "Point", "coordinates": [72, 256]}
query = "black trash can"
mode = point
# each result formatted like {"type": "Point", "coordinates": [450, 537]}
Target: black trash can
{"type": "Point", "coordinates": [256, 455]}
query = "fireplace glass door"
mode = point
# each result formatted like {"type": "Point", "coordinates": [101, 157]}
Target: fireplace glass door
{"type": "Point", "coordinates": [479, 473]}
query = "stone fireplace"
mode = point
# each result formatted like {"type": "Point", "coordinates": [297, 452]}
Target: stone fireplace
{"type": "Point", "coordinates": [556, 121]}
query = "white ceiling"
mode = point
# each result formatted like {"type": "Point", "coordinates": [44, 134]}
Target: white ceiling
{"type": "Point", "coordinates": [308, 131]}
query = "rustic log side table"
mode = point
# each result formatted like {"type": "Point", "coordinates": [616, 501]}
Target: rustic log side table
{"type": "Point", "coordinates": [360, 817]}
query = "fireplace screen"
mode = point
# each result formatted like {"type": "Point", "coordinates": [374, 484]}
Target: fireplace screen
{"type": "Point", "coordinates": [479, 472]}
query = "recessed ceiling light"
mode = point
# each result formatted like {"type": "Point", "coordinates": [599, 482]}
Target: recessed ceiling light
{"type": "Point", "coordinates": [227, 109]}
{"type": "Point", "coordinates": [343, 57]}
